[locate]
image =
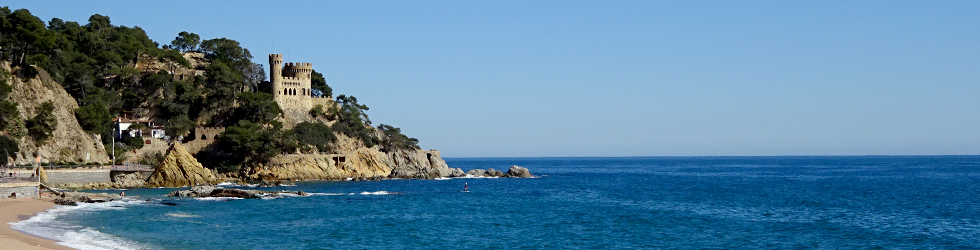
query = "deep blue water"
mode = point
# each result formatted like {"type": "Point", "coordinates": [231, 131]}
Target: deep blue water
{"type": "Point", "coordinates": [635, 202]}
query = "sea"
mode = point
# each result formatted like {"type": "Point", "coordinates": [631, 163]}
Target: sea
{"type": "Point", "coordinates": [793, 202]}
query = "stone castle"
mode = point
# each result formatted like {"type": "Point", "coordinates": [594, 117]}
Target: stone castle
{"type": "Point", "coordinates": [290, 86]}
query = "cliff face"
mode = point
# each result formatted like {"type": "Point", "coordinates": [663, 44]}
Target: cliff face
{"type": "Point", "coordinates": [179, 168]}
{"type": "Point", "coordinates": [353, 160]}
{"type": "Point", "coordinates": [419, 164]}
{"type": "Point", "coordinates": [68, 142]}
{"type": "Point", "coordinates": [363, 163]}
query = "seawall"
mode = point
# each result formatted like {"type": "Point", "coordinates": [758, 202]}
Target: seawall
{"type": "Point", "coordinates": [18, 190]}
{"type": "Point", "coordinates": [78, 175]}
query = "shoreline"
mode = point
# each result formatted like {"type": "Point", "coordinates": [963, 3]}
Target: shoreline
{"type": "Point", "coordinates": [14, 210]}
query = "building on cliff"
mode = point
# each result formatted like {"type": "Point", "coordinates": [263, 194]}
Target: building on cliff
{"type": "Point", "coordinates": [290, 85]}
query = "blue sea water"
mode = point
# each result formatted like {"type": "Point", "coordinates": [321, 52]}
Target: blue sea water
{"type": "Point", "coordinates": [917, 202]}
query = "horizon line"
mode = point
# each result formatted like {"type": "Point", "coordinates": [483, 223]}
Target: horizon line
{"type": "Point", "coordinates": [686, 156]}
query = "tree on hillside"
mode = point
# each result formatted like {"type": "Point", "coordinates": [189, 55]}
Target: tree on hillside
{"type": "Point", "coordinates": [353, 121]}
{"type": "Point", "coordinates": [181, 98]}
{"type": "Point", "coordinates": [8, 110]}
{"type": "Point", "coordinates": [94, 118]}
{"type": "Point", "coordinates": [221, 87]}
{"type": "Point", "coordinates": [8, 148]}
{"type": "Point", "coordinates": [178, 126]}
{"type": "Point", "coordinates": [257, 107]}
{"type": "Point", "coordinates": [251, 143]}
{"type": "Point", "coordinates": [392, 139]}
{"type": "Point", "coordinates": [318, 83]}
{"type": "Point", "coordinates": [254, 75]}
{"type": "Point", "coordinates": [173, 58]}
{"type": "Point", "coordinates": [186, 41]}
{"type": "Point", "coordinates": [229, 52]}
{"type": "Point", "coordinates": [315, 135]}
{"type": "Point", "coordinates": [42, 125]}
{"type": "Point", "coordinates": [22, 35]}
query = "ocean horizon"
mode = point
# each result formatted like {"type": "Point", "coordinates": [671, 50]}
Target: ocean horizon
{"type": "Point", "coordinates": [768, 202]}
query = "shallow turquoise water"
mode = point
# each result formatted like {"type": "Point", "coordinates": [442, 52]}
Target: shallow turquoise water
{"type": "Point", "coordinates": [637, 202]}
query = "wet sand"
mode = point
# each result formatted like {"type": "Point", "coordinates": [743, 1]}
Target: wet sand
{"type": "Point", "coordinates": [14, 210]}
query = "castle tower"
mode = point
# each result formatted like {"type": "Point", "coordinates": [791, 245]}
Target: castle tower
{"type": "Point", "coordinates": [275, 73]}
{"type": "Point", "coordinates": [292, 86]}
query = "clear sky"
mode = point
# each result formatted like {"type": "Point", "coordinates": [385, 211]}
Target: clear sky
{"type": "Point", "coordinates": [619, 78]}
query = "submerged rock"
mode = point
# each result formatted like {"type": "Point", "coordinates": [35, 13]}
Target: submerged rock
{"type": "Point", "coordinates": [179, 168]}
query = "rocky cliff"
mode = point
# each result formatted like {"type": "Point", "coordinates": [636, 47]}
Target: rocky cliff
{"type": "Point", "coordinates": [179, 168]}
{"type": "Point", "coordinates": [351, 159]}
{"type": "Point", "coordinates": [419, 164]}
{"type": "Point", "coordinates": [363, 163]}
{"type": "Point", "coordinates": [68, 142]}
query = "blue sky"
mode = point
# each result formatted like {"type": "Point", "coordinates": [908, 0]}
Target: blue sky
{"type": "Point", "coordinates": [619, 78]}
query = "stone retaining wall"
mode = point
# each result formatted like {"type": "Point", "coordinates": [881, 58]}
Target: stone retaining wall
{"type": "Point", "coordinates": [20, 190]}
{"type": "Point", "coordinates": [81, 175]}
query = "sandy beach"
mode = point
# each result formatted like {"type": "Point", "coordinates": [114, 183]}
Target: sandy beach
{"type": "Point", "coordinates": [13, 210]}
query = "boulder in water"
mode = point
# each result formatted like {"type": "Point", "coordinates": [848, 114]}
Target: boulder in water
{"type": "Point", "coordinates": [477, 172]}
{"type": "Point", "coordinates": [494, 173]}
{"type": "Point", "coordinates": [519, 172]}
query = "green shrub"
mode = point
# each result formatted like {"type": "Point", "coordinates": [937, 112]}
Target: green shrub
{"type": "Point", "coordinates": [315, 135]}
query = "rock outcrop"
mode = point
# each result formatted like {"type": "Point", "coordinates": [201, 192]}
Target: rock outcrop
{"type": "Point", "coordinates": [519, 172]}
{"type": "Point", "coordinates": [179, 168]}
{"type": "Point", "coordinates": [515, 171]}
{"type": "Point", "coordinates": [68, 142]}
{"type": "Point", "coordinates": [361, 164]}
{"type": "Point", "coordinates": [419, 164]}
{"type": "Point", "coordinates": [132, 180]}
{"type": "Point", "coordinates": [212, 191]}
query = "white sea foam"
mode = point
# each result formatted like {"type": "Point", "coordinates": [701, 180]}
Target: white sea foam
{"type": "Point", "coordinates": [443, 178]}
{"type": "Point", "coordinates": [46, 225]}
{"type": "Point", "coordinates": [319, 194]}
{"type": "Point", "coordinates": [232, 184]}
{"type": "Point", "coordinates": [478, 177]}
{"type": "Point", "coordinates": [376, 193]}
{"type": "Point", "coordinates": [180, 215]}
{"type": "Point", "coordinates": [217, 198]}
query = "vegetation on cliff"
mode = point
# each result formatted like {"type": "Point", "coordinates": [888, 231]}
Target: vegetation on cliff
{"type": "Point", "coordinates": [9, 116]}
{"type": "Point", "coordinates": [108, 69]}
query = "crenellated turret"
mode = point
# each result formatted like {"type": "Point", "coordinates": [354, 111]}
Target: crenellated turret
{"type": "Point", "coordinates": [291, 84]}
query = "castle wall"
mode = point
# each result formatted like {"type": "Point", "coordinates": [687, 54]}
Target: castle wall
{"type": "Point", "coordinates": [203, 137]}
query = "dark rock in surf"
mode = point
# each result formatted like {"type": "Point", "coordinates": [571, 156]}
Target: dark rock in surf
{"type": "Point", "coordinates": [65, 202]}
{"type": "Point", "coordinates": [236, 193]}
